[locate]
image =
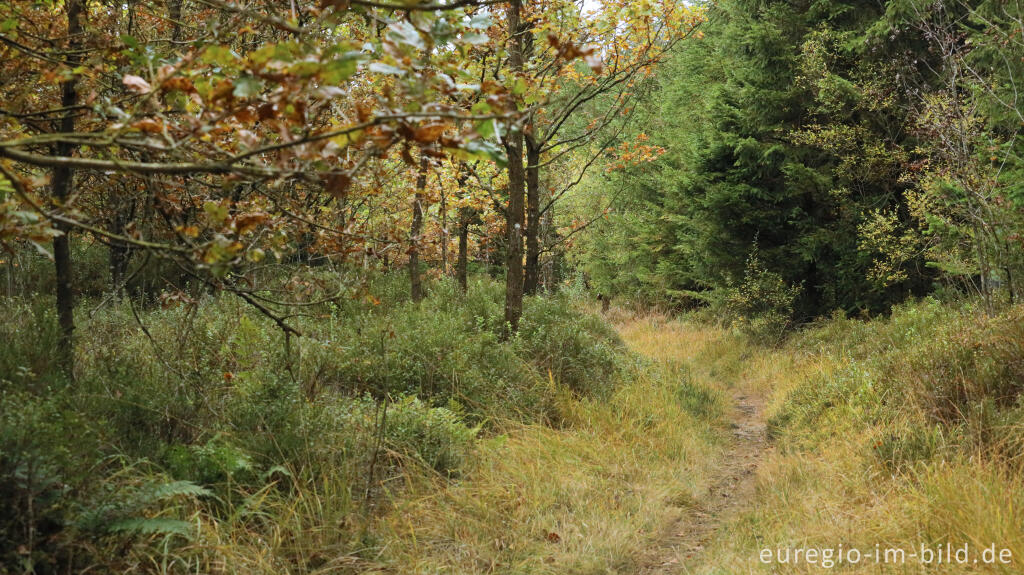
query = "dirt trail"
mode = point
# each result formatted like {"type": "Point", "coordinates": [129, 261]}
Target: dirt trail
{"type": "Point", "coordinates": [732, 486]}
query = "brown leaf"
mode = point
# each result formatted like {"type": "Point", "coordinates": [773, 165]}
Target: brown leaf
{"type": "Point", "coordinates": [553, 537]}
{"type": "Point", "coordinates": [337, 184]}
{"type": "Point", "coordinates": [247, 222]}
{"type": "Point", "coordinates": [149, 125]}
{"type": "Point", "coordinates": [267, 111]}
{"type": "Point", "coordinates": [429, 133]}
{"type": "Point", "coordinates": [246, 115]}
{"type": "Point", "coordinates": [136, 84]}
{"type": "Point", "coordinates": [178, 83]}
{"type": "Point", "coordinates": [223, 90]}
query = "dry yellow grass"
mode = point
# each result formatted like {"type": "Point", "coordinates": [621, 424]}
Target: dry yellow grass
{"type": "Point", "coordinates": [587, 498]}
{"type": "Point", "coordinates": [598, 494]}
{"type": "Point", "coordinates": [824, 487]}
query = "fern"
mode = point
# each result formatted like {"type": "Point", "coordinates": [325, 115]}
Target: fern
{"type": "Point", "coordinates": [174, 489]}
{"type": "Point", "coordinates": [153, 526]}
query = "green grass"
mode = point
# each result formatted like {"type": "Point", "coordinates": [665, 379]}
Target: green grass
{"type": "Point", "coordinates": [203, 442]}
{"type": "Point", "coordinates": [407, 438]}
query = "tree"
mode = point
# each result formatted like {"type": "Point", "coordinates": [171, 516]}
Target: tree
{"type": "Point", "coordinates": [261, 121]}
{"type": "Point", "coordinates": [785, 125]}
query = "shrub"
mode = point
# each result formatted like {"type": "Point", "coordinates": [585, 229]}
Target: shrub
{"type": "Point", "coordinates": [761, 306]}
{"type": "Point", "coordinates": [205, 412]}
{"type": "Point", "coordinates": [579, 351]}
{"type": "Point", "coordinates": [434, 436]}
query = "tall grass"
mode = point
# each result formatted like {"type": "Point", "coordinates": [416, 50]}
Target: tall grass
{"type": "Point", "coordinates": [897, 432]}
{"type": "Point", "coordinates": [194, 440]}
{"type": "Point", "coordinates": [588, 497]}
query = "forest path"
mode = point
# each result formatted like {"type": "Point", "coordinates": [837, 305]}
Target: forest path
{"type": "Point", "coordinates": [681, 548]}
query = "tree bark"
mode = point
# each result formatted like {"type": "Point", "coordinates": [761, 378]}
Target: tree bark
{"type": "Point", "coordinates": [531, 278]}
{"type": "Point", "coordinates": [415, 278]}
{"type": "Point", "coordinates": [462, 265]}
{"type": "Point", "coordinates": [549, 269]}
{"type": "Point", "coordinates": [122, 210]}
{"type": "Point", "coordinates": [174, 12]}
{"type": "Point", "coordinates": [63, 189]}
{"type": "Point", "coordinates": [444, 234]}
{"type": "Point", "coordinates": [514, 213]}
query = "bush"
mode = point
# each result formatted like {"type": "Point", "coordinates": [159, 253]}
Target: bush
{"type": "Point", "coordinates": [206, 413]}
{"type": "Point", "coordinates": [435, 436]}
{"type": "Point", "coordinates": [579, 351]}
{"type": "Point", "coordinates": [931, 380]}
{"type": "Point", "coordinates": [761, 306]}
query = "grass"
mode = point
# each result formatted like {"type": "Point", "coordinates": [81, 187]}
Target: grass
{"type": "Point", "coordinates": [202, 443]}
{"type": "Point", "coordinates": [572, 449]}
{"type": "Point", "coordinates": [585, 498]}
{"type": "Point", "coordinates": [891, 432]}
{"type": "Point", "coordinates": [395, 437]}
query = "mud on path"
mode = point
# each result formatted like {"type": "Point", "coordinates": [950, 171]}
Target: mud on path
{"type": "Point", "coordinates": [680, 547]}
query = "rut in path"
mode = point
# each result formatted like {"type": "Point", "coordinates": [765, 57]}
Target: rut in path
{"type": "Point", "coordinates": [732, 487]}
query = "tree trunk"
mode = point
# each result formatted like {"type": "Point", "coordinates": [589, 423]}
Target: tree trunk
{"type": "Point", "coordinates": [63, 189]}
{"type": "Point", "coordinates": [549, 270]}
{"type": "Point", "coordinates": [415, 279]}
{"type": "Point", "coordinates": [532, 276]}
{"type": "Point", "coordinates": [514, 213]}
{"type": "Point", "coordinates": [465, 218]}
{"type": "Point", "coordinates": [444, 234]}
{"type": "Point", "coordinates": [120, 253]}
{"type": "Point", "coordinates": [174, 12]}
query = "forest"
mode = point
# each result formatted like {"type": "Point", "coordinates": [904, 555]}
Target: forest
{"type": "Point", "coordinates": [537, 287]}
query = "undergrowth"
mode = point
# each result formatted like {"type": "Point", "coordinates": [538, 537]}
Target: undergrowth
{"type": "Point", "coordinates": [195, 438]}
{"type": "Point", "coordinates": [902, 432]}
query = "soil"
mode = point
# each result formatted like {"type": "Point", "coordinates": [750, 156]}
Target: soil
{"type": "Point", "coordinates": [680, 547]}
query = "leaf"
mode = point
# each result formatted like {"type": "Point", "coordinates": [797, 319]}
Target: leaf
{"type": "Point", "coordinates": [475, 39]}
{"type": "Point", "coordinates": [255, 255]}
{"type": "Point", "coordinates": [149, 126]}
{"type": "Point", "coordinates": [136, 84]}
{"type": "Point", "coordinates": [216, 212]}
{"type": "Point", "coordinates": [245, 223]}
{"type": "Point", "coordinates": [387, 69]}
{"type": "Point", "coordinates": [339, 70]}
{"type": "Point", "coordinates": [481, 150]}
{"type": "Point", "coordinates": [480, 21]}
{"type": "Point", "coordinates": [42, 250]}
{"type": "Point", "coordinates": [218, 55]}
{"type": "Point", "coordinates": [129, 41]}
{"type": "Point", "coordinates": [246, 87]}
{"type": "Point", "coordinates": [154, 526]}
{"type": "Point", "coordinates": [337, 184]}
{"type": "Point", "coordinates": [177, 488]}
{"type": "Point", "coordinates": [484, 128]}
{"type": "Point", "coordinates": [429, 133]}
{"type": "Point", "coordinates": [405, 33]}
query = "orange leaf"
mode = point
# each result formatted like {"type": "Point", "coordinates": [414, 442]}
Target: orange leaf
{"type": "Point", "coordinates": [429, 133]}
{"type": "Point", "coordinates": [149, 126]}
{"type": "Point", "coordinates": [247, 222]}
